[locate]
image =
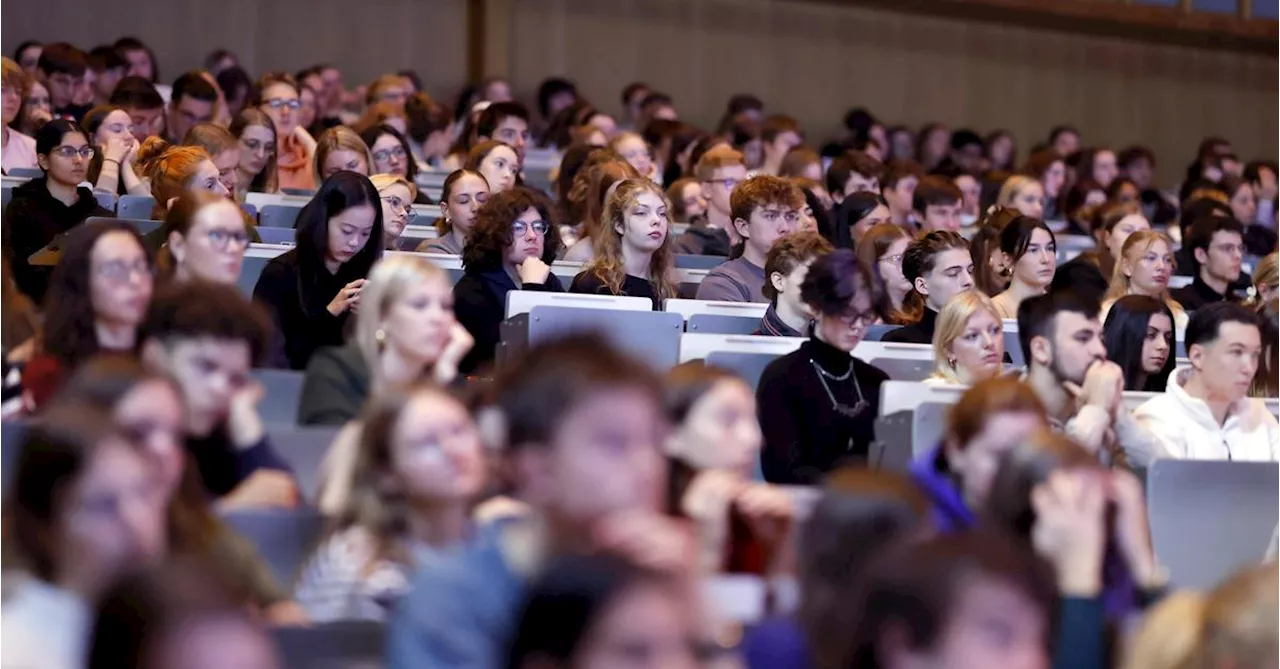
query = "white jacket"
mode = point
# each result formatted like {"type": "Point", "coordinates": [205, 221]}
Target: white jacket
{"type": "Point", "coordinates": [1188, 430]}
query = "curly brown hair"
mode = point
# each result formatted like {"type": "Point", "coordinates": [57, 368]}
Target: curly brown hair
{"type": "Point", "coordinates": [608, 265]}
{"type": "Point", "coordinates": [491, 234]}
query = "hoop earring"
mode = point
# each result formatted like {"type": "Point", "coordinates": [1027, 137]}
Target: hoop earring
{"type": "Point", "coordinates": [380, 336]}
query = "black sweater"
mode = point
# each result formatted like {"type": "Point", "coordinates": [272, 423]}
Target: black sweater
{"type": "Point", "coordinates": [480, 305]}
{"type": "Point", "coordinates": [297, 297]}
{"type": "Point", "coordinates": [33, 219]}
{"type": "Point", "coordinates": [632, 286]}
{"type": "Point", "coordinates": [919, 332]}
{"type": "Point", "coordinates": [804, 436]}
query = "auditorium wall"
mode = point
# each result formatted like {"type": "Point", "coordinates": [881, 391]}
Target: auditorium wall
{"type": "Point", "coordinates": [810, 59]}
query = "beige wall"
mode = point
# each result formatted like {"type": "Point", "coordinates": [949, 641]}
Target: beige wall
{"type": "Point", "coordinates": [814, 60]}
{"type": "Point", "coordinates": [365, 37]}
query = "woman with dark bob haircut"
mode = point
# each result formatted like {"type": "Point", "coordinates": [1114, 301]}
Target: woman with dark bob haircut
{"type": "Point", "coordinates": [818, 403]}
{"type": "Point", "coordinates": [97, 298]}
{"type": "Point", "coordinates": [1139, 336]}
{"type": "Point", "coordinates": [511, 247]}
{"type": "Point", "coordinates": [311, 290]}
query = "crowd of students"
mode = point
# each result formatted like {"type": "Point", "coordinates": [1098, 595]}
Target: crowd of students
{"type": "Point", "coordinates": [561, 510]}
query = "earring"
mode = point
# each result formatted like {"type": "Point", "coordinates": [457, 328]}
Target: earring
{"type": "Point", "coordinates": [952, 362]}
{"type": "Point", "coordinates": [380, 336]}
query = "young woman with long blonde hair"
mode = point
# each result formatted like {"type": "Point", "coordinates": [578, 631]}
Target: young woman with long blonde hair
{"type": "Point", "coordinates": [632, 248]}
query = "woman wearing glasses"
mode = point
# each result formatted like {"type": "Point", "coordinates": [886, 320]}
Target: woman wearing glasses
{"type": "Point", "coordinates": [818, 404]}
{"type": "Point", "coordinates": [311, 291]}
{"type": "Point", "coordinates": [98, 295]}
{"type": "Point", "coordinates": [510, 248]}
{"type": "Point", "coordinates": [392, 155]}
{"type": "Point", "coordinates": [49, 206]}
{"type": "Point", "coordinates": [257, 171]}
{"type": "Point", "coordinates": [276, 94]}
{"type": "Point", "coordinates": [397, 195]}
{"type": "Point", "coordinates": [205, 239]}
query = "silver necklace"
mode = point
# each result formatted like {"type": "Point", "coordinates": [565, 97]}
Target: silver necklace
{"type": "Point", "coordinates": [858, 408]}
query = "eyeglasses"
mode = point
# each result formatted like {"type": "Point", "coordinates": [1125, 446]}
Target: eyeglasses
{"type": "Point", "coordinates": [853, 318]}
{"type": "Point", "coordinates": [520, 228]}
{"type": "Point", "coordinates": [70, 152]}
{"type": "Point", "coordinates": [400, 205]}
{"type": "Point", "coordinates": [729, 184]}
{"type": "Point", "coordinates": [120, 271]}
{"type": "Point", "coordinates": [387, 154]}
{"type": "Point", "coordinates": [895, 259]}
{"type": "Point", "coordinates": [221, 239]}
{"type": "Point", "coordinates": [279, 103]}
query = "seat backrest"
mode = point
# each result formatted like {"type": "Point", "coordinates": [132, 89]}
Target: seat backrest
{"type": "Point", "coordinates": [346, 644]}
{"type": "Point", "coordinates": [144, 226]}
{"type": "Point", "coordinates": [1209, 518]}
{"type": "Point", "coordinates": [12, 435]}
{"type": "Point", "coordinates": [283, 387]}
{"type": "Point", "coordinates": [650, 336]}
{"type": "Point", "coordinates": [135, 206]}
{"type": "Point", "coordinates": [523, 301]}
{"type": "Point", "coordinates": [688, 308]}
{"type": "Point", "coordinates": [876, 332]}
{"type": "Point", "coordinates": [278, 216]}
{"type": "Point", "coordinates": [898, 396]}
{"type": "Point", "coordinates": [747, 365]}
{"type": "Point", "coordinates": [928, 425]}
{"type": "Point", "coordinates": [26, 172]}
{"type": "Point", "coordinates": [270, 235]}
{"type": "Point", "coordinates": [105, 200]}
{"type": "Point", "coordinates": [285, 538]}
{"type": "Point", "coordinates": [1012, 346]}
{"type": "Point", "coordinates": [899, 369]}
{"type": "Point", "coordinates": [718, 324]}
{"type": "Point", "coordinates": [692, 261]}
{"type": "Point", "coordinates": [891, 449]}
{"type": "Point", "coordinates": [303, 448]}
{"type": "Point", "coordinates": [6, 194]}
{"type": "Point", "coordinates": [695, 346]}
{"type": "Point", "coordinates": [255, 258]}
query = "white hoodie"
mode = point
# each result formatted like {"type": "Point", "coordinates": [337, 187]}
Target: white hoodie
{"type": "Point", "coordinates": [1188, 430]}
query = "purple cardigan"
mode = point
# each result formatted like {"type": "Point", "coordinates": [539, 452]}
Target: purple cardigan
{"type": "Point", "coordinates": [950, 513]}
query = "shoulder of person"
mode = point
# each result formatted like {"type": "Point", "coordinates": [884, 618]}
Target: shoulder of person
{"type": "Point", "coordinates": [870, 371]}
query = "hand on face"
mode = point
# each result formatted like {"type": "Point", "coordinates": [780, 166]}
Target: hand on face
{"type": "Point", "coordinates": [533, 270]}
{"type": "Point", "coordinates": [1070, 528]}
{"type": "Point", "coordinates": [1103, 386]}
{"type": "Point", "coordinates": [460, 342]}
{"type": "Point", "coordinates": [649, 540]}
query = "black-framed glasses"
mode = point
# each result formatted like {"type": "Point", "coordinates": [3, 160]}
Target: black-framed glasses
{"type": "Point", "coordinates": [520, 228]}
{"type": "Point", "coordinates": [280, 103]}
{"type": "Point", "coordinates": [386, 154]}
{"type": "Point", "coordinates": [221, 239]}
{"type": "Point", "coordinates": [70, 152]}
{"type": "Point", "coordinates": [400, 205]}
{"type": "Point", "coordinates": [853, 318]}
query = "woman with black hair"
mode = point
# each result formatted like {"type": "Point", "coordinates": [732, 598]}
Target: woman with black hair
{"type": "Point", "coordinates": [1139, 336]}
{"type": "Point", "coordinates": [392, 155]}
{"type": "Point", "coordinates": [511, 247]}
{"type": "Point", "coordinates": [601, 612]}
{"type": "Point", "coordinates": [1029, 255]}
{"type": "Point", "coordinates": [51, 205]}
{"type": "Point", "coordinates": [311, 290]}
{"type": "Point", "coordinates": [98, 296]}
{"type": "Point", "coordinates": [853, 217]}
{"type": "Point", "coordinates": [818, 404]}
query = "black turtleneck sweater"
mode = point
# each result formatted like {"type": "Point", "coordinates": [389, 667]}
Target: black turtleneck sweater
{"type": "Point", "coordinates": [919, 332]}
{"type": "Point", "coordinates": [33, 219]}
{"type": "Point", "coordinates": [804, 435]}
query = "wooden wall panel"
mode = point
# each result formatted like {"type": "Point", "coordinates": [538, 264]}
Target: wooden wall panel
{"type": "Point", "coordinates": [815, 60]}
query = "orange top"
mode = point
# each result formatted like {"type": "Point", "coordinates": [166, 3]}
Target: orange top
{"type": "Point", "coordinates": [294, 165]}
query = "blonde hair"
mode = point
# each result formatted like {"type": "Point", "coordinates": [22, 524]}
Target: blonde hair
{"type": "Point", "coordinates": [12, 76]}
{"type": "Point", "coordinates": [606, 244]}
{"type": "Point", "coordinates": [381, 182]}
{"type": "Point", "coordinates": [1120, 282]}
{"type": "Point", "coordinates": [337, 138]}
{"type": "Point", "coordinates": [1013, 187]}
{"type": "Point", "coordinates": [1168, 634]}
{"type": "Point", "coordinates": [952, 321]}
{"type": "Point", "coordinates": [214, 139]}
{"type": "Point", "coordinates": [1267, 273]}
{"type": "Point", "coordinates": [388, 281]}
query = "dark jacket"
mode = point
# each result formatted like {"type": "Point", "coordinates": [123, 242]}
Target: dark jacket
{"type": "Point", "coordinates": [703, 241]}
{"type": "Point", "coordinates": [480, 305]}
{"type": "Point", "coordinates": [773, 326]}
{"type": "Point", "coordinates": [223, 467]}
{"type": "Point", "coordinates": [1198, 294]}
{"type": "Point", "coordinates": [32, 220]}
{"type": "Point", "coordinates": [297, 296]}
{"type": "Point", "coordinates": [632, 286]}
{"type": "Point", "coordinates": [919, 332]}
{"type": "Point", "coordinates": [804, 435]}
{"type": "Point", "coordinates": [335, 387]}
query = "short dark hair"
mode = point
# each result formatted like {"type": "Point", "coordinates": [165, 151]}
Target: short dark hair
{"type": "Point", "coordinates": [103, 58]}
{"type": "Point", "coordinates": [1059, 130]}
{"type": "Point", "coordinates": [26, 44]}
{"type": "Point", "coordinates": [193, 85]}
{"type": "Point", "coordinates": [1253, 170]}
{"type": "Point", "coordinates": [491, 232]}
{"type": "Point", "coordinates": [136, 93]}
{"type": "Point", "coordinates": [1037, 316]}
{"type": "Point", "coordinates": [424, 116]}
{"type": "Point", "coordinates": [965, 137]}
{"type": "Point", "coordinates": [849, 163]}
{"type": "Point", "coordinates": [489, 119]}
{"type": "Point", "coordinates": [551, 87]}
{"type": "Point", "coordinates": [1132, 154]}
{"type": "Point", "coordinates": [62, 58]}
{"type": "Point", "coordinates": [234, 79]}
{"type": "Point", "coordinates": [216, 56]}
{"type": "Point", "coordinates": [933, 191]}
{"type": "Point", "coordinates": [833, 281]}
{"type": "Point", "coordinates": [788, 252]}
{"type": "Point", "coordinates": [631, 89]}
{"type": "Point", "coordinates": [134, 44]}
{"type": "Point", "coordinates": [656, 98]}
{"type": "Point", "coordinates": [898, 169]}
{"type": "Point", "coordinates": [921, 254]}
{"type": "Point", "coordinates": [50, 135]}
{"type": "Point", "coordinates": [548, 382]}
{"type": "Point", "coordinates": [202, 309]}
{"type": "Point", "coordinates": [1203, 229]}
{"type": "Point", "coordinates": [1206, 322]}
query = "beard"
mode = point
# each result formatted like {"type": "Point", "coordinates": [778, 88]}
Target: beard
{"type": "Point", "coordinates": [1060, 374]}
